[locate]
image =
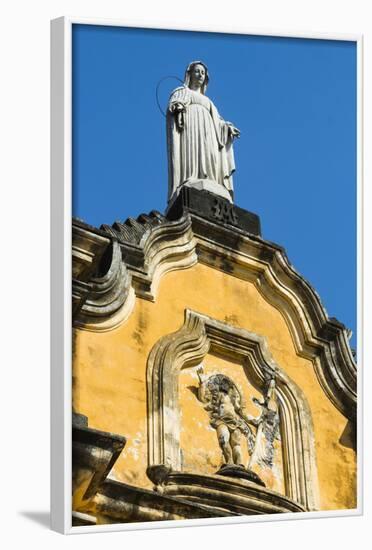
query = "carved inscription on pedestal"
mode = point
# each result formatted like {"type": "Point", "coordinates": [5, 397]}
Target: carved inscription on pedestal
{"type": "Point", "coordinates": [224, 212]}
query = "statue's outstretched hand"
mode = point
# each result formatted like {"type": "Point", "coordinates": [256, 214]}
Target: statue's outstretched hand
{"type": "Point", "coordinates": [202, 390]}
{"type": "Point", "coordinates": [178, 110]}
{"type": "Point", "coordinates": [177, 107]}
{"type": "Point", "coordinates": [234, 132]}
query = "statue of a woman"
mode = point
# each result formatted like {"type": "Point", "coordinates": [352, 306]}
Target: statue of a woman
{"type": "Point", "coordinates": [200, 152]}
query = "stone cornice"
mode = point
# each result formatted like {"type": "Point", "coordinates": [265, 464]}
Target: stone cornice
{"type": "Point", "coordinates": [316, 336]}
{"type": "Point", "coordinates": [236, 496]}
{"type": "Point", "coordinates": [134, 230]}
{"type": "Point", "coordinates": [165, 248]}
{"type": "Point", "coordinates": [169, 245]}
{"type": "Point", "coordinates": [110, 298]}
{"type": "Point", "coordinates": [94, 452]}
{"type": "Point", "coordinates": [122, 502]}
{"type": "Point", "coordinates": [88, 247]}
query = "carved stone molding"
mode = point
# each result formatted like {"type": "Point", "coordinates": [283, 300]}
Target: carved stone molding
{"type": "Point", "coordinates": [121, 502]}
{"type": "Point", "coordinates": [110, 298]}
{"type": "Point", "coordinates": [104, 302]}
{"type": "Point", "coordinates": [134, 230]}
{"type": "Point", "coordinates": [164, 247]}
{"type": "Point", "coordinates": [161, 246]}
{"type": "Point", "coordinates": [186, 348]}
{"type": "Point", "coordinates": [88, 247]}
{"type": "Point", "coordinates": [317, 337]}
{"type": "Point", "coordinates": [93, 455]}
{"type": "Point", "coordinates": [236, 496]}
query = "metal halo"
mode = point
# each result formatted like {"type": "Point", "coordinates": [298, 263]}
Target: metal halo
{"type": "Point", "coordinates": [157, 91]}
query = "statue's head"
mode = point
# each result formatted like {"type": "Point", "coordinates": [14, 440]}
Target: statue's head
{"type": "Point", "coordinates": [197, 71]}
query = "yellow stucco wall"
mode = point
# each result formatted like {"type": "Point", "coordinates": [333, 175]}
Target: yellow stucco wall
{"type": "Point", "coordinates": [109, 377]}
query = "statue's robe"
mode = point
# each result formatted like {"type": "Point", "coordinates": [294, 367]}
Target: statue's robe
{"type": "Point", "coordinates": [202, 149]}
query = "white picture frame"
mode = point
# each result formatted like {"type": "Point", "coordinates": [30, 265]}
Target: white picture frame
{"type": "Point", "coordinates": [61, 212]}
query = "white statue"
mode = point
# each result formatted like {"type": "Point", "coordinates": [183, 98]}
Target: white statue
{"type": "Point", "coordinates": [200, 152]}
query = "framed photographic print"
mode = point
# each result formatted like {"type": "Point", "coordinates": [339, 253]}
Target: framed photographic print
{"type": "Point", "coordinates": [205, 198]}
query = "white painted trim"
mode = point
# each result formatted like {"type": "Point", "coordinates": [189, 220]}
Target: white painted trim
{"type": "Point", "coordinates": [61, 290]}
{"type": "Point", "coordinates": [213, 521]}
{"type": "Point", "coordinates": [61, 243]}
{"type": "Point", "coordinates": [57, 277]}
{"type": "Point", "coordinates": [231, 29]}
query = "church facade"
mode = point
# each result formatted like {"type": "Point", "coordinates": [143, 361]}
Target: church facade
{"type": "Point", "coordinates": [208, 380]}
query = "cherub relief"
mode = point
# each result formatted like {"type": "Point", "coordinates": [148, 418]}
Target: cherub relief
{"type": "Point", "coordinates": [226, 408]}
{"type": "Point", "coordinates": [224, 404]}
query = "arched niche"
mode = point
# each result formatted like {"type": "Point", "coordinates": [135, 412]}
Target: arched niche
{"type": "Point", "coordinates": [187, 347]}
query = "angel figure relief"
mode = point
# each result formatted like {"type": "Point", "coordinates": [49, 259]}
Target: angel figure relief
{"type": "Point", "coordinates": [225, 405]}
{"type": "Point", "coordinates": [267, 430]}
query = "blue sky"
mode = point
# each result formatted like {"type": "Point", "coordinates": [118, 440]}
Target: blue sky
{"type": "Point", "coordinates": [294, 101]}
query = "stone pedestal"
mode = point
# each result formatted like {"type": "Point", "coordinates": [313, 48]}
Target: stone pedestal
{"type": "Point", "coordinates": [93, 455]}
{"type": "Point", "coordinates": [205, 185]}
{"type": "Point", "coordinates": [238, 471]}
{"type": "Point", "coordinates": [213, 207]}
